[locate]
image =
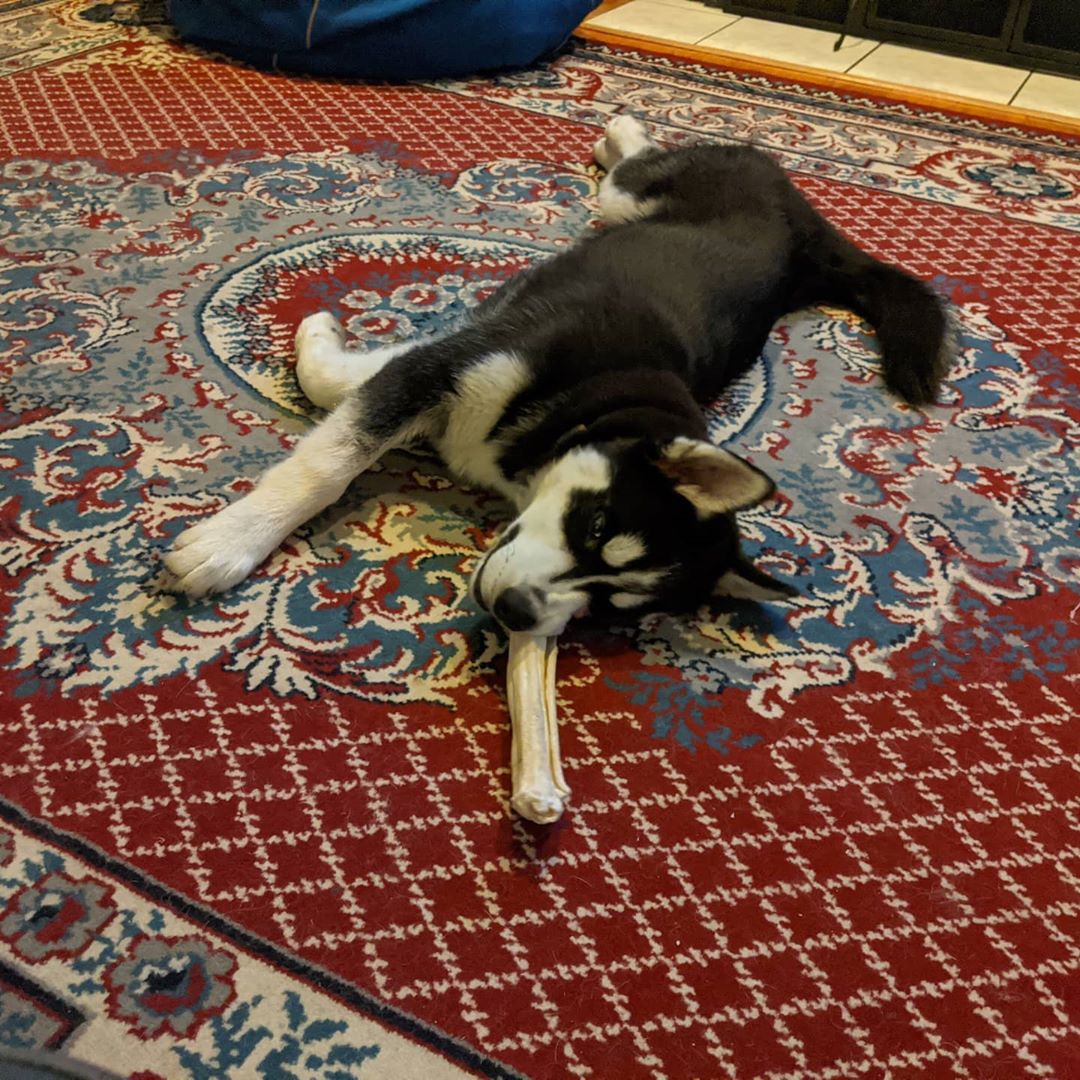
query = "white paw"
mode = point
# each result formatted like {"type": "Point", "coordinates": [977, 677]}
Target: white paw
{"type": "Point", "coordinates": [214, 555]}
{"type": "Point", "coordinates": [319, 329]}
{"type": "Point", "coordinates": [624, 136]}
{"type": "Point", "coordinates": [602, 155]}
{"type": "Point", "coordinates": [320, 344]}
{"type": "Point", "coordinates": [624, 128]}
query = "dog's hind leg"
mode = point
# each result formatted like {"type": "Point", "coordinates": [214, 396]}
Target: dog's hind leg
{"type": "Point", "coordinates": [325, 369]}
{"type": "Point", "coordinates": [625, 139]}
{"type": "Point", "coordinates": [395, 405]}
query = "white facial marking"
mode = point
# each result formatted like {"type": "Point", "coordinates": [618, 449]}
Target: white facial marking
{"type": "Point", "coordinates": [583, 469]}
{"type": "Point", "coordinates": [622, 549]}
{"type": "Point", "coordinates": [639, 580]}
{"type": "Point", "coordinates": [539, 554]}
{"type": "Point", "coordinates": [627, 600]}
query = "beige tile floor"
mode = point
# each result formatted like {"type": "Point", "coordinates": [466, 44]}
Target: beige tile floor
{"type": "Point", "coordinates": [690, 22]}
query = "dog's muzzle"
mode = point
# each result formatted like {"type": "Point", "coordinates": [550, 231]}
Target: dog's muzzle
{"type": "Point", "coordinates": [517, 608]}
{"type": "Point", "coordinates": [522, 606]}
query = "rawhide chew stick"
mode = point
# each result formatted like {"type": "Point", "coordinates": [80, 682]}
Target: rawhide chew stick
{"type": "Point", "coordinates": [539, 792]}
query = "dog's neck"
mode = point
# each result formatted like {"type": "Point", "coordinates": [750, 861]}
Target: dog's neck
{"type": "Point", "coordinates": [639, 404]}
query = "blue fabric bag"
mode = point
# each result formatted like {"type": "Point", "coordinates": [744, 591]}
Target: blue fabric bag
{"type": "Point", "coordinates": [381, 39]}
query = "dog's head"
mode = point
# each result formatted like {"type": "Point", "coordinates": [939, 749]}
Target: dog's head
{"type": "Point", "coordinates": [626, 527]}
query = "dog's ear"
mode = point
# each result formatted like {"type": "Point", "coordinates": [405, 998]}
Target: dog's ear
{"type": "Point", "coordinates": [744, 581]}
{"type": "Point", "coordinates": [716, 481]}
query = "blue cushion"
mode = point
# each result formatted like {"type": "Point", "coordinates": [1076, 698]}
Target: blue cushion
{"type": "Point", "coordinates": [381, 39]}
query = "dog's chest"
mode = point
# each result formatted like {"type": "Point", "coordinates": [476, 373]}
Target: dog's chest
{"type": "Point", "coordinates": [481, 396]}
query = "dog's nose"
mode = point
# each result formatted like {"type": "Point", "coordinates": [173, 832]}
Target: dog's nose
{"type": "Point", "coordinates": [516, 609]}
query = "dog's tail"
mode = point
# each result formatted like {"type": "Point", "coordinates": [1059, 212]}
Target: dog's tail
{"type": "Point", "coordinates": [910, 319]}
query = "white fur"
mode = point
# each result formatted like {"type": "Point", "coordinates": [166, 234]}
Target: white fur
{"type": "Point", "coordinates": [325, 369]}
{"type": "Point", "coordinates": [215, 554]}
{"type": "Point", "coordinates": [624, 137]}
{"type": "Point", "coordinates": [625, 600]}
{"type": "Point", "coordinates": [538, 554]}
{"type": "Point", "coordinates": [583, 469]}
{"type": "Point", "coordinates": [622, 549]}
{"type": "Point", "coordinates": [638, 580]}
{"type": "Point", "coordinates": [618, 207]}
{"type": "Point", "coordinates": [481, 396]}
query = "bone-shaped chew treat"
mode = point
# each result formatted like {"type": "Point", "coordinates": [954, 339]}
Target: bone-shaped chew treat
{"type": "Point", "coordinates": [539, 791]}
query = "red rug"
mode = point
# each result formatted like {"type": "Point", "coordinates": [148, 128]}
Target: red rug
{"type": "Point", "coordinates": [270, 832]}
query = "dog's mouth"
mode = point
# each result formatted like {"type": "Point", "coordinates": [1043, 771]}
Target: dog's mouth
{"type": "Point", "coordinates": [475, 592]}
{"type": "Point", "coordinates": [548, 620]}
{"type": "Point", "coordinates": [475, 586]}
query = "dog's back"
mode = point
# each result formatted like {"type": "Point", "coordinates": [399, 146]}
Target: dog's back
{"type": "Point", "coordinates": [695, 288]}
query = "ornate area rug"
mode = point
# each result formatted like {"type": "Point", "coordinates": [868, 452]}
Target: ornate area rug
{"type": "Point", "coordinates": [268, 835]}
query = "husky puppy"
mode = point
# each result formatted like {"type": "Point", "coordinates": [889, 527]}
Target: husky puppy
{"type": "Point", "coordinates": [576, 392]}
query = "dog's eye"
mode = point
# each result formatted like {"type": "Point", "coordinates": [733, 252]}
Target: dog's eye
{"type": "Point", "coordinates": [597, 526]}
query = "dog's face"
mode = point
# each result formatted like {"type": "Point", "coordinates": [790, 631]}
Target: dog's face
{"type": "Point", "coordinates": [625, 527]}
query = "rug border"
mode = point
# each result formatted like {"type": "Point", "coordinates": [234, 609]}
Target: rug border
{"type": "Point", "coordinates": [840, 83]}
{"type": "Point", "coordinates": [412, 1027]}
{"type": "Point", "coordinates": [63, 1008]}
{"type": "Point", "coordinates": [866, 109]}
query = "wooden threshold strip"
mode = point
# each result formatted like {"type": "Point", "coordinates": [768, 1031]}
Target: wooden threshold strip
{"type": "Point", "coordinates": [827, 80]}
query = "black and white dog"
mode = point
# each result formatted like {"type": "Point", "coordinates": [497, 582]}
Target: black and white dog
{"type": "Point", "coordinates": [574, 391]}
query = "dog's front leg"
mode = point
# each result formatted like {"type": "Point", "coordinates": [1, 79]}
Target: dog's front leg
{"type": "Point", "coordinates": [397, 404]}
{"type": "Point", "coordinates": [216, 554]}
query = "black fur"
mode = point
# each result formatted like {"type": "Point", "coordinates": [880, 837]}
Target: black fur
{"type": "Point", "coordinates": [693, 291]}
{"type": "Point", "coordinates": [611, 349]}
{"type": "Point", "coordinates": [693, 552]}
{"type": "Point", "coordinates": [629, 332]}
